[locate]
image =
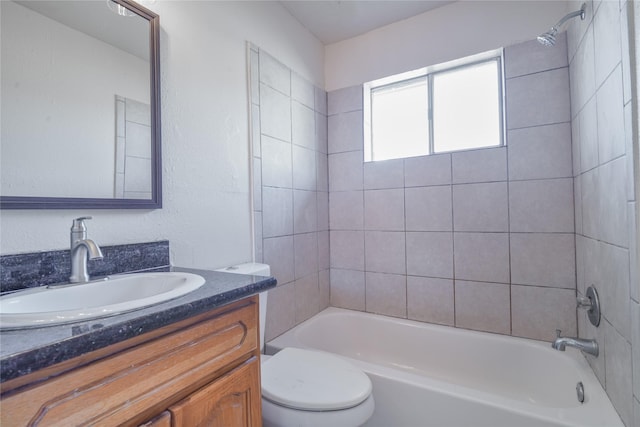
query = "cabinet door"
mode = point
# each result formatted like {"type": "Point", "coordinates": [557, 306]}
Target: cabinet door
{"type": "Point", "coordinates": [232, 400]}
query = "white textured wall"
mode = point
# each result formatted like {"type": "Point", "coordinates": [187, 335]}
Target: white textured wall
{"type": "Point", "coordinates": [206, 213]}
{"type": "Point", "coordinates": [449, 32]}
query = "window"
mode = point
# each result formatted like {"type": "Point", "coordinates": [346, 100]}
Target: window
{"type": "Point", "coordinates": [448, 107]}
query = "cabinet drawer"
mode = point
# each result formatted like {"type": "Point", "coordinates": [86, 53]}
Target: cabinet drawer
{"type": "Point", "coordinates": [131, 386]}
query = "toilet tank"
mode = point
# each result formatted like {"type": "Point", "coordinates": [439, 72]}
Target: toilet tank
{"type": "Point", "coordinates": [255, 269]}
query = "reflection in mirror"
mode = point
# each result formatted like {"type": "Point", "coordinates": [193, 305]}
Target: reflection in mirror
{"type": "Point", "coordinates": [133, 149]}
{"type": "Point", "coordinates": [80, 117]}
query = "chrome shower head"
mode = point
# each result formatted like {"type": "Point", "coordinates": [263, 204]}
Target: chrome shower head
{"type": "Point", "coordinates": [549, 38]}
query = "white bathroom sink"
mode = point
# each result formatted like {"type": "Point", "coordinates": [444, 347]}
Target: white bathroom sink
{"type": "Point", "coordinates": [45, 306]}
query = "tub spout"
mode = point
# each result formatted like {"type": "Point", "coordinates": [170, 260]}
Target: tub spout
{"type": "Point", "coordinates": [586, 346]}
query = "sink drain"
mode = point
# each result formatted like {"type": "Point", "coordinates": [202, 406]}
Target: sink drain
{"type": "Point", "coordinates": [580, 391]}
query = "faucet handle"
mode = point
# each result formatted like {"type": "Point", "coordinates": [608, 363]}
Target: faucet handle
{"type": "Point", "coordinates": [584, 302]}
{"type": "Point", "coordinates": [78, 223]}
{"type": "Point", "coordinates": [78, 229]}
{"type": "Point", "coordinates": [558, 331]}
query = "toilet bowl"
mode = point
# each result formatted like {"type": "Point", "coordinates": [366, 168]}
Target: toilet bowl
{"type": "Point", "coordinates": [308, 388]}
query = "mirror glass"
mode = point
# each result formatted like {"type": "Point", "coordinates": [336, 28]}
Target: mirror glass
{"type": "Point", "coordinates": [79, 123]}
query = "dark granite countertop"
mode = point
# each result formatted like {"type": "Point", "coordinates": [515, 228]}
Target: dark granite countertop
{"type": "Point", "coordinates": [26, 351]}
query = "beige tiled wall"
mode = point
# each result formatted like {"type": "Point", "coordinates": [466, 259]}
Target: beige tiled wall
{"type": "Point", "coordinates": [291, 201]}
{"type": "Point", "coordinates": [497, 239]}
{"type": "Point", "coordinates": [480, 239]}
{"type": "Point", "coordinates": [601, 109]}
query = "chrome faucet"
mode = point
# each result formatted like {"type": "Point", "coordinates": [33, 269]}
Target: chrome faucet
{"type": "Point", "coordinates": [81, 248]}
{"type": "Point", "coordinates": [587, 346]}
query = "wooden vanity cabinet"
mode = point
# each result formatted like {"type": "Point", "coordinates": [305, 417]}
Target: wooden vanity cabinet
{"type": "Point", "coordinates": [204, 371]}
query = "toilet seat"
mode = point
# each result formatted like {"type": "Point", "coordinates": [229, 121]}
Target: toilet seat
{"type": "Point", "coordinates": [313, 381]}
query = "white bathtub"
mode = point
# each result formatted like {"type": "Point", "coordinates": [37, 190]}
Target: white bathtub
{"type": "Point", "coordinates": [427, 375]}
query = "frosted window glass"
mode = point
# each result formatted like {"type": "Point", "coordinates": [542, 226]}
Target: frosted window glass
{"type": "Point", "coordinates": [399, 126]}
{"type": "Point", "coordinates": [466, 108]}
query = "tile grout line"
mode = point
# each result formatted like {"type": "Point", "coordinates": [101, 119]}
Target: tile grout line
{"type": "Point", "coordinates": [406, 254]}
{"type": "Point", "coordinates": [509, 241]}
{"type": "Point", "coordinates": [453, 244]}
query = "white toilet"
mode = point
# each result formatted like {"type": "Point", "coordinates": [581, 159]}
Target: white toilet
{"type": "Point", "coordinates": [308, 388]}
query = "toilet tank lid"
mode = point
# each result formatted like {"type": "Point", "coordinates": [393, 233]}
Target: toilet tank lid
{"type": "Point", "coordinates": [254, 268]}
{"type": "Point", "coordinates": [313, 380]}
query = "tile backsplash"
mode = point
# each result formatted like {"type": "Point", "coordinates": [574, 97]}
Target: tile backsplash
{"type": "Point", "coordinates": [28, 270]}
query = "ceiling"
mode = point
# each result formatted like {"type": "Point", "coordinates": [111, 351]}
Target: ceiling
{"type": "Point", "coordinates": [332, 21]}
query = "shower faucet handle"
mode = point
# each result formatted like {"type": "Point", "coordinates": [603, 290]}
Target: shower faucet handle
{"type": "Point", "coordinates": [558, 332]}
{"type": "Point", "coordinates": [584, 302]}
{"type": "Point", "coordinates": [591, 303]}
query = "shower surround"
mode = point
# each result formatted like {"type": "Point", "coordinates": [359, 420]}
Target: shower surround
{"type": "Point", "coordinates": [290, 193]}
{"type": "Point", "coordinates": [603, 105]}
{"type": "Point", "coordinates": [498, 239]}
{"type": "Point", "coordinates": [480, 239]}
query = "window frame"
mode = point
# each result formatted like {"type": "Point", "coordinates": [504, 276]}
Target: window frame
{"type": "Point", "coordinates": [428, 73]}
